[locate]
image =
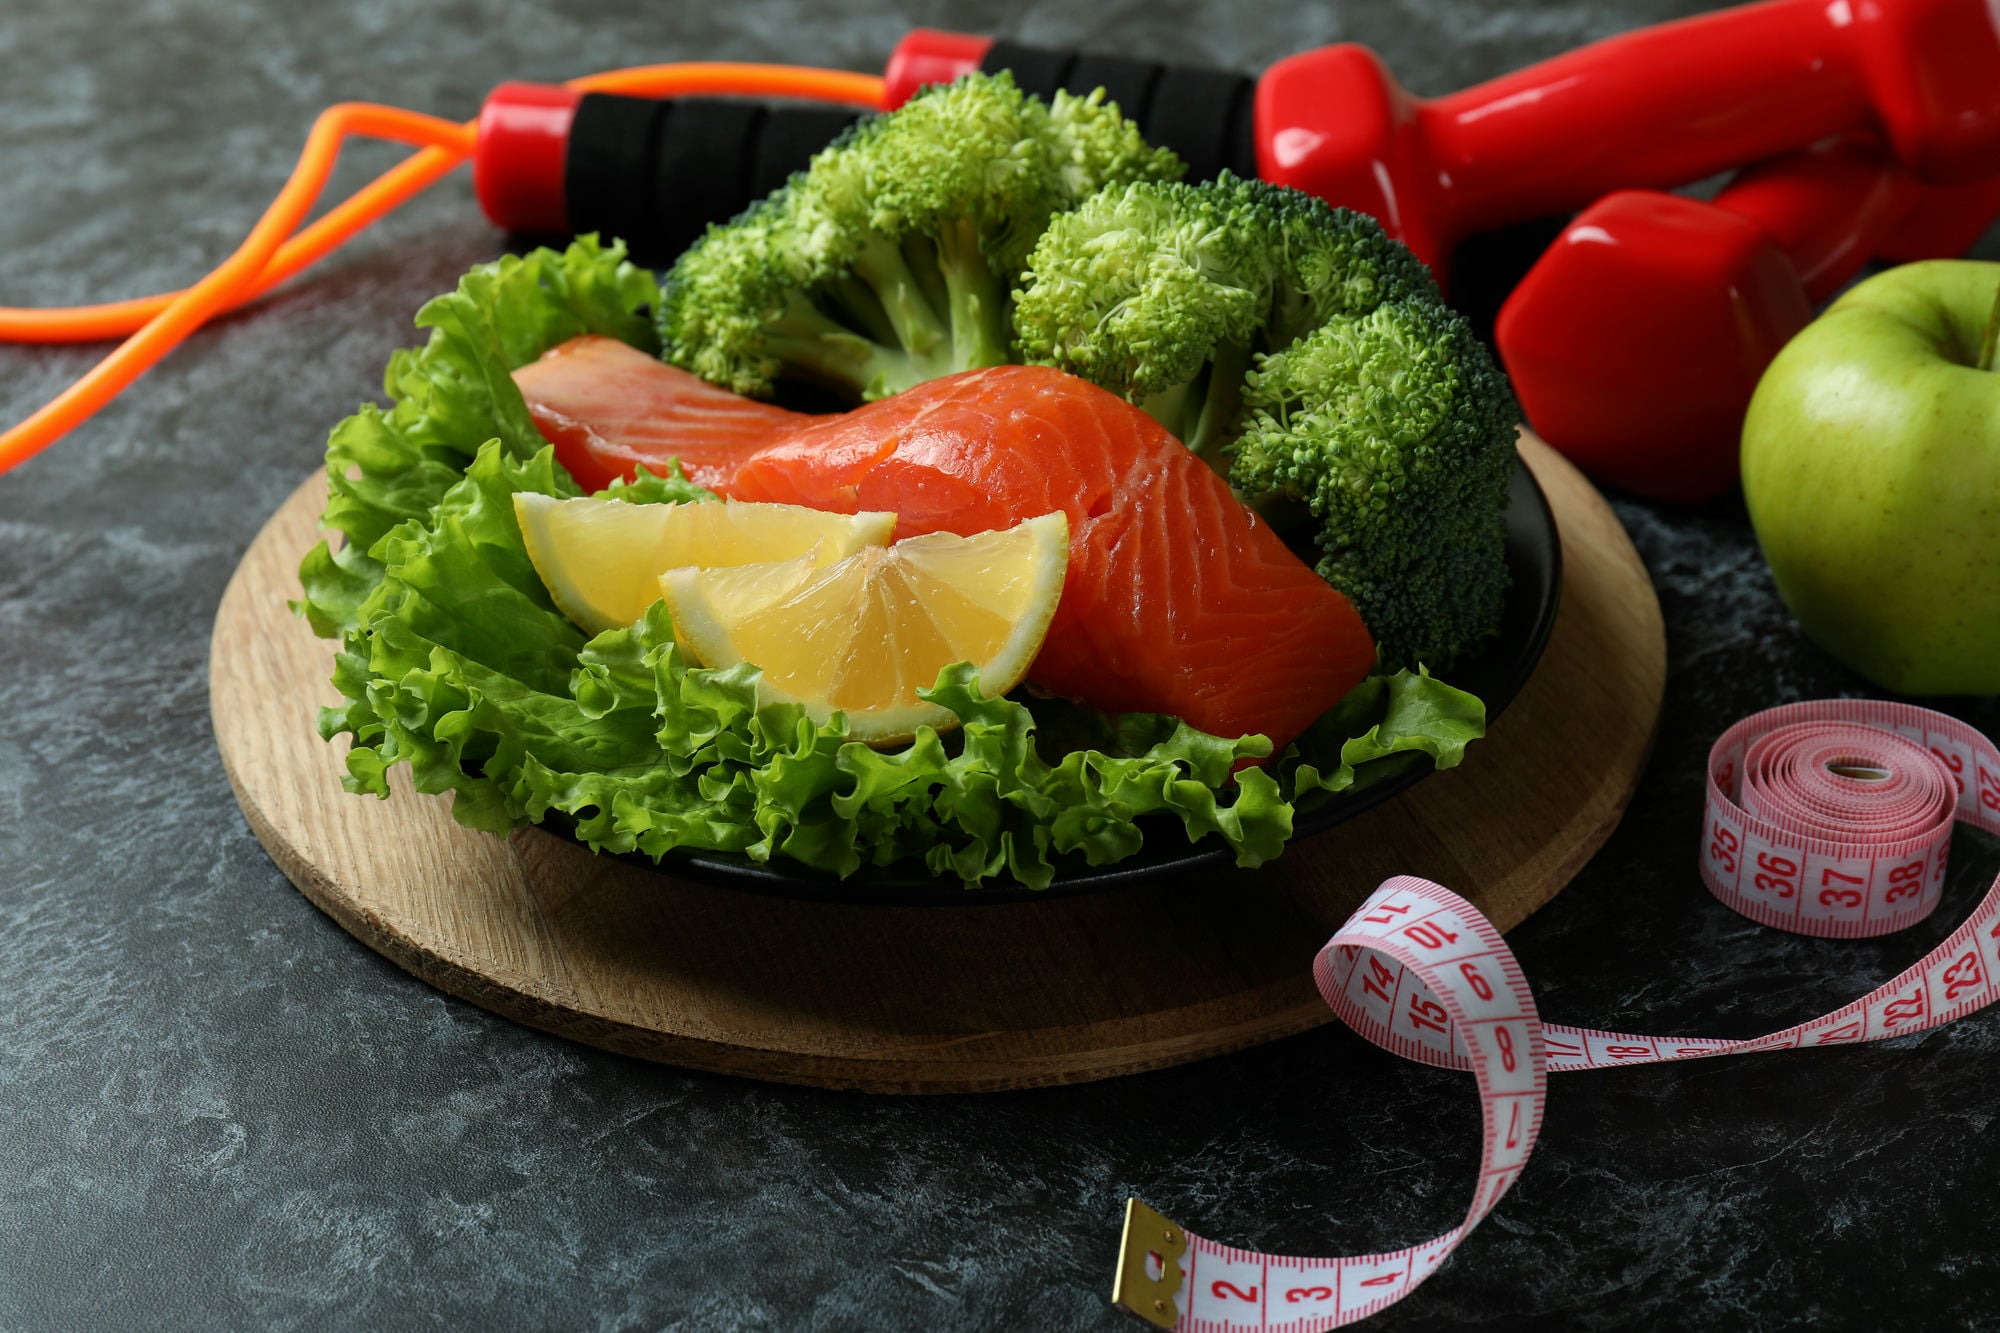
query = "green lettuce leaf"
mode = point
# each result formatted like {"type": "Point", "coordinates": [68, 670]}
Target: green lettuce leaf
{"type": "Point", "coordinates": [455, 393]}
{"type": "Point", "coordinates": [1409, 713]}
{"type": "Point", "coordinates": [454, 661]}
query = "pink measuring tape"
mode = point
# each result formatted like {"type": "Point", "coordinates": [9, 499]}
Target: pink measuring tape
{"type": "Point", "coordinates": [1831, 818]}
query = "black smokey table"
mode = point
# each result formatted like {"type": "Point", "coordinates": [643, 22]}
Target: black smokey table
{"type": "Point", "coordinates": [222, 1111]}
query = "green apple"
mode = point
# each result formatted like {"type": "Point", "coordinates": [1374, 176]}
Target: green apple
{"type": "Point", "coordinates": [1871, 465]}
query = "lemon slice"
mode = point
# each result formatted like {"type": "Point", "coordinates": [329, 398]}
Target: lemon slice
{"type": "Point", "coordinates": [601, 559]}
{"type": "Point", "coordinates": [863, 634]}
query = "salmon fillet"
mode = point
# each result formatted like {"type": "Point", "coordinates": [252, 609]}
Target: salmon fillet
{"type": "Point", "coordinates": [1178, 599]}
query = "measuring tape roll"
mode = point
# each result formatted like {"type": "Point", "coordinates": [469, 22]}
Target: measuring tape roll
{"type": "Point", "coordinates": [1830, 818]}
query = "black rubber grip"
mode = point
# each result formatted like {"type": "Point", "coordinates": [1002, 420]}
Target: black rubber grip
{"type": "Point", "coordinates": [610, 153]}
{"type": "Point", "coordinates": [656, 173]}
{"type": "Point", "coordinates": [1129, 83]}
{"type": "Point", "coordinates": [701, 169]}
{"type": "Point", "coordinates": [1037, 69]}
{"type": "Point", "coordinates": [1185, 118]}
{"type": "Point", "coordinates": [1205, 115]}
{"type": "Point", "coordinates": [790, 138]}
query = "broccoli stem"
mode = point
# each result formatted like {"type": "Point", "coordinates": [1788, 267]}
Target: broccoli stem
{"type": "Point", "coordinates": [814, 346]}
{"type": "Point", "coordinates": [924, 337]}
{"type": "Point", "coordinates": [1171, 407]}
{"type": "Point", "coordinates": [907, 312]}
{"type": "Point", "coordinates": [1221, 405]}
{"type": "Point", "coordinates": [977, 300]}
{"type": "Point", "coordinates": [920, 253]}
{"type": "Point", "coordinates": [855, 301]}
{"type": "Point", "coordinates": [1202, 411]}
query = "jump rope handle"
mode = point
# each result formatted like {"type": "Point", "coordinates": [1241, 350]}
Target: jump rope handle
{"type": "Point", "coordinates": [552, 161]}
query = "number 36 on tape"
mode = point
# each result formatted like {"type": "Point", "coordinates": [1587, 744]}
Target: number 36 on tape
{"type": "Point", "coordinates": [1829, 818]}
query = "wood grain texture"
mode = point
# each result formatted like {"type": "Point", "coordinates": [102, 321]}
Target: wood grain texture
{"type": "Point", "coordinates": [928, 999]}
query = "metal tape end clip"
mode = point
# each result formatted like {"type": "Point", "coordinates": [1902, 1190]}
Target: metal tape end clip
{"type": "Point", "coordinates": [1149, 1267]}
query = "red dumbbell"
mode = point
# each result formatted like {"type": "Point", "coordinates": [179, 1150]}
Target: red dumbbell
{"type": "Point", "coordinates": [1636, 340]}
{"type": "Point", "coordinates": [1939, 224]}
{"type": "Point", "coordinates": [1654, 108]}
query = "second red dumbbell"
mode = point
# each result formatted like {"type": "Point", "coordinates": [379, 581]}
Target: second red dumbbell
{"type": "Point", "coordinates": [1635, 342]}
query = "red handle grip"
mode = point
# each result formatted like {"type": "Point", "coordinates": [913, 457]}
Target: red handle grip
{"type": "Point", "coordinates": [517, 172]}
{"type": "Point", "coordinates": [928, 55]}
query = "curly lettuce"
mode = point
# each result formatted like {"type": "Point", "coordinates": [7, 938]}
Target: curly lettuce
{"type": "Point", "coordinates": [453, 660]}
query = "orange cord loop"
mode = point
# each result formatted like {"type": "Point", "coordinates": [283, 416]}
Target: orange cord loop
{"type": "Point", "coordinates": [158, 324]}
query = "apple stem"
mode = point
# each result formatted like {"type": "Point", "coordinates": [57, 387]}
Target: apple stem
{"type": "Point", "coordinates": [1986, 343]}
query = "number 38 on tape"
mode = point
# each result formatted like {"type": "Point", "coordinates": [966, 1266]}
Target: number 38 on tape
{"type": "Point", "coordinates": [1830, 818]}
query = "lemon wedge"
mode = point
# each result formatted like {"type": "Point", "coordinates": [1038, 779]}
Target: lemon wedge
{"type": "Point", "coordinates": [864, 633]}
{"type": "Point", "coordinates": [601, 559]}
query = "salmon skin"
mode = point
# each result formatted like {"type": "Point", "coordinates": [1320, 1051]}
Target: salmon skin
{"type": "Point", "coordinates": [1178, 599]}
{"type": "Point", "coordinates": [607, 407]}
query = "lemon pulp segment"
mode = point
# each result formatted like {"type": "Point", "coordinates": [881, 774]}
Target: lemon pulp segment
{"type": "Point", "coordinates": [863, 634]}
{"type": "Point", "coordinates": [601, 558]}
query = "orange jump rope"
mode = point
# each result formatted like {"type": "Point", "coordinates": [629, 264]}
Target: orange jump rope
{"type": "Point", "coordinates": [153, 326]}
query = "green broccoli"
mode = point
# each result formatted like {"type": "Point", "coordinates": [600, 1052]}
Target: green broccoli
{"type": "Point", "coordinates": [977, 225]}
{"type": "Point", "coordinates": [1396, 429]}
{"type": "Point", "coordinates": [891, 259]}
{"type": "Point", "coordinates": [1308, 357]}
{"type": "Point", "coordinates": [1163, 292]}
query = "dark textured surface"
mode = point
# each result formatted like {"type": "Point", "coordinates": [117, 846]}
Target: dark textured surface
{"type": "Point", "coordinates": [220, 1111]}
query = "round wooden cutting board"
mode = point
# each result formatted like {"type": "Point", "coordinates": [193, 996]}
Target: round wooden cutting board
{"type": "Point", "coordinates": [929, 999]}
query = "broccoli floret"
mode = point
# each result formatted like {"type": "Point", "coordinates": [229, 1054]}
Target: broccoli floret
{"type": "Point", "coordinates": [1396, 429]}
{"type": "Point", "coordinates": [1306, 355]}
{"type": "Point", "coordinates": [1092, 146]}
{"type": "Point", "coordinates": [891, 259]}
{"type": "Point", "coordinates": [1163, 292]}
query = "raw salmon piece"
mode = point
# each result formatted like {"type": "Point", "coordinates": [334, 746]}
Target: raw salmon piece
{"type": "Point", "coordinates": [1178, 599]}
{"type": "Point", "coordinates": [607, 407]}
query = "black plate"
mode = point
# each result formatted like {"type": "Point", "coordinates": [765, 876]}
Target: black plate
{"type": "Point", "coordinates": [1534, 558]}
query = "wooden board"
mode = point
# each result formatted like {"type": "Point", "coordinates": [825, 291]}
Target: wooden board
{"type": "Point", "coordinates": [928, 999]}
